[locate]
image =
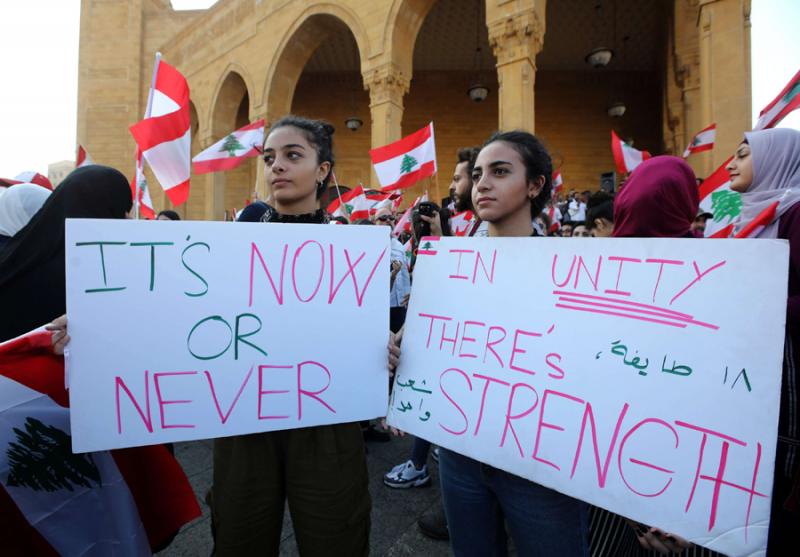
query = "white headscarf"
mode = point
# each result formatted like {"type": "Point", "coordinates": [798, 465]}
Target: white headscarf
{"type": "Point", "coordinates": [18, 204]}
{"type": "Point", "coordinates": [776, 176]}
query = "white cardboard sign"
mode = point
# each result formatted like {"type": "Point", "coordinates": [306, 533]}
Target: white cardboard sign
{"type": "Point", "coordinates": [194, 330]}
{"type": "Point", "coordinates": [642, 376]}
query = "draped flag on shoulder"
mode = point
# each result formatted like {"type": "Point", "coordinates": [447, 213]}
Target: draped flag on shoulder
{"type": "Point", "coordinates": [762, 220]}
{"type": "Point", "coordinates": [703, 141]}
{"type": "Point", "coordinates": [405, 162]}
{"type": "Point", "coordinates": [32, 177]}
{"type": "Point", "coordinates": [724, 204]}
{"type": "Point", "coordinates": [164, 136]}
{"type": "Point", "coordinates": [786, 101]}
{"type": "Point", "coordinates": [626, 157]}
{"type": "Point", "coordinates": [83, 158]}
{"type": "Point", "coordinates": [232, 150]}
{"type": "Point", "coordinates": [55, 502]}
{"type": "Point", "coordinates": [353, 205]}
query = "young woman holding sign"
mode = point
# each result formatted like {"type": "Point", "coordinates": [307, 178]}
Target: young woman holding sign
{"type": "Point", "coordinates": [322, 470]}
{"type": "Point", "coordinates": [511, 183]}
{"type": "Point", "coordinates": [766, 170]}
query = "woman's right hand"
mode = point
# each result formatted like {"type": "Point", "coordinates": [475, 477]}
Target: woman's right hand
{"type": "Point", "coordinates": [394, 360]}
{"type": "Point", "coordinates": [59, 337]}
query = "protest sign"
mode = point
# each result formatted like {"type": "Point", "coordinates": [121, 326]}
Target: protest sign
{"type": "Point", "coordinates": [193, 330]}
{"type": "Point", "coordinates": [640, 375]}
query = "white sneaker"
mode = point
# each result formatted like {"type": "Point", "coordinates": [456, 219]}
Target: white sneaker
{"type": "Point", "coordinates": [406, 475]}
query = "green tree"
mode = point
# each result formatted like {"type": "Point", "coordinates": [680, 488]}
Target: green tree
{"type": "Point", "coordinates": [42, 459]}
{"type": "Point", "coordinates": [231, 145]}
{"type": "Point", "coordinates": [725, 204]}
{"type": "Point", "coordinates": [408, 164]}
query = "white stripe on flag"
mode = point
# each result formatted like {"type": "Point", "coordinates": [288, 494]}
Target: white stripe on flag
{"type": "Point", "coordinates": [389, 172]}
{"type": "Point", "coordinates": [248, 139]}
{"type": "Point", "coordinates": [633, 157]}
{"type": "Point", "coordinates": [170, 160]}
{"type": "Point", "coordinates": [162, 104]}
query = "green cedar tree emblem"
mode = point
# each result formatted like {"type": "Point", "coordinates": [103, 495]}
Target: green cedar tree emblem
{"type": "Point", "coordinates": [349, 208]}
{"type": "Point", "coordinates": [42, 460]}
{"type": "Point", "coordinates": [408, 164]}
{"type": "Point", "coordinates": [793, 91]}
{"type": "Point", "coordinates": [231, 145]}
{"type": "Point", "coordinates": [725, 204]}
{"type": "Point", "coordinates": [427, 246]}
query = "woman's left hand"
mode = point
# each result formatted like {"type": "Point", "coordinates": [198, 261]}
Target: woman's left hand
{"type": "Point", "coordinates": [658, 540]}
{"type": "Point", "coordinates": [59, 337]}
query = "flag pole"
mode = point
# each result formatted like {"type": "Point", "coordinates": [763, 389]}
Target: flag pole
{"type": "Point", "coordinates": [339, 193]}
{"type": "Point", "coordinates": [148, 109]}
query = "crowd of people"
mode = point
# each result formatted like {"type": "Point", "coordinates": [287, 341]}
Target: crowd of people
{"type": "Point", "coordinates": [507, 185]}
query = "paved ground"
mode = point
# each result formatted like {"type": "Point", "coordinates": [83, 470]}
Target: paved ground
{"type": "Point", "coordinates": [394, 512]}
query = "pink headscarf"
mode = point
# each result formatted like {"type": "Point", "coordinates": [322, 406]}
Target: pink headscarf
{"type": "Point", "coordinates": [659, 200]}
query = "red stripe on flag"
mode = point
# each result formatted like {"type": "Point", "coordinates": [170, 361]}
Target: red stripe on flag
{"type": "Point", "coordinates": [254, 126]}
{"type": "Point", "coordinates": [400, 147]}
{"type": "Point", "coordinates": [616, 149]}
{"type": "Point", "coordinates": [792, 106]}
{"type": "Point", "coordinates": [408, 180]}
{"type": "Point", "coordinates": [701, 148]}
{"type": "Point", "coordinates": [226, 163]}
{"type": "Point", "coordinates": [30, 361]}
{"type": "Point", "coordinates": [178, 194]}
{"type": "Point", "coordinates": [153, 131]}
{"type": "Point", "coordinates": [715, 180]}
{"type": "Point", "coordinates": [723, 232]}
{"type": "Point", "coordinates": [19, 537]}
{"type": "Point", "coordinates": [170, 82]}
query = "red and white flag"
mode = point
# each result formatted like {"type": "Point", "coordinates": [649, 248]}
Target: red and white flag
{"type": "Point", "coordinates": [461, 223]}
{"type": "Point", "coordinates": [83, 158]}
{"type": "Point", "coordinates": [786, 101]}
{"type": "Point", "coordinates": [31, 177]}
{"type": "Point", "coordinates": [164, 136]}
{"type": "Point", "coordinates": [558, 183]}
{"type": "Point", "coordinates": [140, 189]}
{"type": "Point", "coordinates": [353, 205]}
{"type": "Point", "coordinates": [703, 141]}
{"type": "Point", "coordinates": [231, 151]}
{"type": "Point", "coordinates": [55, 502]}
{"type": "Point", "coordinates": [717, 198]}
{"type": "Point", "coordinates": [405, 162]}
{"type": "Point", "coordinates": [626, 157]}
{"type": "Point", "coordinates": [404, 224]}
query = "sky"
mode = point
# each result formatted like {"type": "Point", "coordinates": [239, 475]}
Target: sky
{"type": "Point", "coordinates": [39, 67]}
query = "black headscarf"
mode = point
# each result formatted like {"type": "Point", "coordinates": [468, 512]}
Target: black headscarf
{"type": "Point", "coordinates": [253, 212]}
{"type": "Point", "coordinates": [32, 272]}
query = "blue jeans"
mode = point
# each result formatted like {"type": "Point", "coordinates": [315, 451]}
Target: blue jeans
{"type": "Point", "coordinates": [542, 522]}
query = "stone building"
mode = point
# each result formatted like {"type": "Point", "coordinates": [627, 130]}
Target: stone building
{"type": "Point", "coordinates": [394, 65]}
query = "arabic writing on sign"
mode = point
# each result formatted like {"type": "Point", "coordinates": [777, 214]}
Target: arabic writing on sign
{"type": "Point", "coordinates": [619, 349]}
{"type": "Point", "coordinates": [408, 392]}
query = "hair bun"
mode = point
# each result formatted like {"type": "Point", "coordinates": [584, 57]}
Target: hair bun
{"type": "Point", "coordinates": [328, 128]}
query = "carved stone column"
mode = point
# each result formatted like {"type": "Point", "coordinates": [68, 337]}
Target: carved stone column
{"type": "Point", "coordinates": [387, 85]}
{"type": "Point", "coordinates": [516, 39]}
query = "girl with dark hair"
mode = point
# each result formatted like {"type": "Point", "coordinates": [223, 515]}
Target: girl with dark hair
{"type": "Point", "coordinates": [511, 183]}
{"type": "Point", "coordinates": [322, 470]}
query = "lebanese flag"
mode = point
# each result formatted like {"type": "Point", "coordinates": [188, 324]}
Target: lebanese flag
{"type": "Point", "coordinates": [54, 502]}
{"type": "Point", "coordinates": [164, 136]}
{"type": "Point", "coordinates": [31, 177]}
{"type": "Point", "coordinates": [83, 158]}
{"type": "Point", "coordinates": [408, 250]}
{"type": "Point", "coordinates": [786, 101]}
{"type": "Point", "coordinates": [626, 157]}
{"type": "Point", "coordinates": [404, 224]}
{"type": "Point", "coordinates": [231, 151]}
{"type": "Point", "coordinates": [558, 182]}
{"type": "Point", "coordinates": [145, 203]}
{"type": "Point", "coordinates": [405, 162]}
{"type": "Point", "coordinates": [356, 205]}
{"type": "Point", "coordinates": [717, 198]}
{"type": "Point", "coordinates": [762, 220]}
{"type": "Point", "coordinates": [461, 223]}
{"type": "Point", "coordinates": [703, 141]}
